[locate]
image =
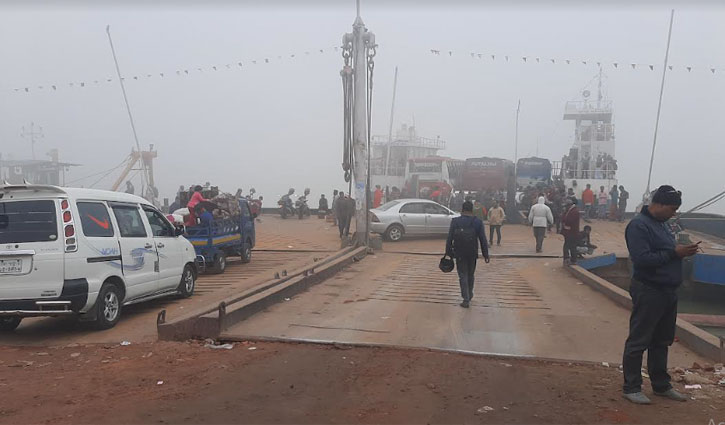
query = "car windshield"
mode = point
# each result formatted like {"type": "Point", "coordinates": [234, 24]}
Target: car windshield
{"type": "Point", "coordinates": [388, 205]}
{"type": "Point", "coordinates": [28, 221]}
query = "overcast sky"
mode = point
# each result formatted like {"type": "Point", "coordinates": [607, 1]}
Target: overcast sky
{"type": "Point", "coordinates": [277, 125]}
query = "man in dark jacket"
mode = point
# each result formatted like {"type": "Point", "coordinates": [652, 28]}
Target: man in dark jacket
{"type": "Point", "coordinates": [657, 273]}
{"type": "Point", "coordinates": [570, 230]}
{"type": "Point", "coordinates": [464, 235]}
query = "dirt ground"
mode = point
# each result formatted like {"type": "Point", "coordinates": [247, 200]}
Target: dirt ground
{"type": "Point", "coordinates": [297, 383]}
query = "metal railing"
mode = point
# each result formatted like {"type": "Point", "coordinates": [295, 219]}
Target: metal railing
{"type": "Point", "coordinates": [419, 142]}
{"type": "Point", "coordinates": [583, 107]}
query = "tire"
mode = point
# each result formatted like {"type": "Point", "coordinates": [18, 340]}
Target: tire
{"type": "Point", "coordinates": [188, 282]}
{"type": "Point", "coordinates": [247, 252]}
{"type": "Point", "coordinates": [220, 263]}
{"type": "Point", "coordinates": [394, 233]}
{"type": "Point", "coordinates": [9, 324]}
{"type": "Point", "coordinates": [108, 307]}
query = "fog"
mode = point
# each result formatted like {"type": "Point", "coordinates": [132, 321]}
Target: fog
{"type": "Point", "coordinates": [277, 125]}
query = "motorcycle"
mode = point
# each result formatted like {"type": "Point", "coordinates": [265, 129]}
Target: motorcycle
{"type": "Point", "coordinates": [302, 209]}
{"type": "Point", "coordinates": [286, 208]}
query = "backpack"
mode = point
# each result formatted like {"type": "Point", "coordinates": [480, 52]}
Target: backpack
{"type": "Point", "coordinates": [464, 241]}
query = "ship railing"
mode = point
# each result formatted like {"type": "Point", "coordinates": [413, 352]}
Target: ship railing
{"type": "Point", "coordinates": [583, 107]}
{"type": "Point", "coordinates": [418, 142]}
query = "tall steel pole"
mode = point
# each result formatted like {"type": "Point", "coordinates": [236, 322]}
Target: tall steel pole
{"type": "Point", "coordinates": [516, 140]}
{"type": "Point", "coordinates": [659, 104]}
{"type": "Point", "coordinates": [359, 126]}
{"type": "Point", "coordinates": [390, 128]}
{"type": "Point", "coordinates": [128, 107]}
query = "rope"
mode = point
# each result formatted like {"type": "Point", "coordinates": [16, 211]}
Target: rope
{"type": "Point", "coordinates": [99, 173]}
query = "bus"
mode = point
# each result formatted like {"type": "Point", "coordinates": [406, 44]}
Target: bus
{"type": "Point", "coordinates": [533, 172]}
{"type": "Point", "coordinates": [424, 175]}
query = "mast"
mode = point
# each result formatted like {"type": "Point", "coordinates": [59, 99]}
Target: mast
{"type": "Point", "coordinates": [390, 129]}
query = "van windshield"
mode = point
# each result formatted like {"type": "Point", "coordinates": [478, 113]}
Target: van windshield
{"type": "Point", "coordinates": [28, 221]}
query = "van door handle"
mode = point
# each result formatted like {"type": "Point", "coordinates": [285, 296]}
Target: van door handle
{"type": "Point", "coordinates": [148, 246]}
{"type": "Point", "coordinates": [159, 245]}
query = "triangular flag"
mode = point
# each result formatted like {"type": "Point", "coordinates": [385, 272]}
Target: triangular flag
{"type": "Point", "coordinates": [214, 68]}
{"type": "Point", "coordinates": [689, 68]}
{"type": "Point", "coordinates": [322, 51]}
{"type": "Point", "coordinates": [239, 63]}
{"type": "Point", "coordinates": [584, 62]}
{"type": "Point", "coordinates": [651, 67]}
{"type": "Point", "coordinates": [553, 61]}
{"type": "Point", "coordinates": [713, 70]}
{"type": "Point", "coordinates": [670, 67]}
{"type": "Point", "coordinates": [537, 60]}
{"type": "Point", "coordinates": [83, 84]}
{"type": "Point", "coordinates": [161, 74]}
{"type": "Point", "coordinates": [432, 51]}
{"type": "Point", "coordinates": [615, 64]}
{"type": "Point", "coordinates": [493, 57]}
{"type": "Point", "coordinates": [26, 90]}
{"type": "Point", "coordinates": [633, 65]}
{"type": "Point", "coordinates": [54, 88]}
{"type": "Point", "coordinates": [450, 53]}
{"type": "Point", "coordinates": [568, 62]}
{"type": "Point", "coordinates": [186, 71]}
{"type": "Point", "coordinates": [524, 58]}
{"type": "Point", "coordinates": [135, 78]}
{"type": "Point", "coordinates": [599, 64]}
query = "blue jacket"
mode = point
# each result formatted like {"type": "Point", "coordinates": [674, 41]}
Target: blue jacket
{"type": "Point", "coordinates": [651, 247]}
{"type": "Point", "coordinates": [466, 221]}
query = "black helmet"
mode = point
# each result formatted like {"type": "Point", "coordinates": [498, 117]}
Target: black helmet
{"type": "Point", "coordinates": [446, 264]}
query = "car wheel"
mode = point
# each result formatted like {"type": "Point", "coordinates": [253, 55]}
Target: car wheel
{"type": "Point", "coordinates": [394, 233]}
{"type": "Point", "coordinates": [247, 252]}
{"type": "Point", "coordinates": [9, 324]}
{"type": "Point", "coordinates": [188, 282]}
{"type": "Point", "coordinates": [108, 307]}
{"type": "Point", "coordinates": [220, 263]}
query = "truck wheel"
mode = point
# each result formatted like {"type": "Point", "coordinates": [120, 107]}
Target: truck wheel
{"type": "Point", "coordinates": [188, 282]}
{"type": "Point", "coordinates": [247, 252]}
{"type": "Point", "coordinates": [9, 324]}
{"type": "Point", "coordinates": [220, 263]}
{"type": "Point", "coordinates": [108, 307]}
{"type": "Point", "coordinates": [394, 233]}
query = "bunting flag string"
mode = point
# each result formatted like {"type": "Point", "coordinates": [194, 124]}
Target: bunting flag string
{"type": "Point", "coordinates": [569, 61]}
{"type": "Point", "coordinates": [182, 72]}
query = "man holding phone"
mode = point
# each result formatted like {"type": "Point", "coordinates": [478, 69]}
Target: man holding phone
{"type": "Point", "coordinates": [657, 273]}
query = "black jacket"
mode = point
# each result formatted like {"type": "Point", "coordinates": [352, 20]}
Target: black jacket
{"type": "Point", "coordinates": [465, 221]}
{"type": "Point", "coordinates": [651, 247]}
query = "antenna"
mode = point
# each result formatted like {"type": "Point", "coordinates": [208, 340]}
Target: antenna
{"type": "Point", "coordinates": [32, 134]}
{"type": "Point", "coordinates": [358, 7]}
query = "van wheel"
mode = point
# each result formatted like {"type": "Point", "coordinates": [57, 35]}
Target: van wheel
{"type": "Point", "coordinates": [394, 233]}
{"type": "Point", "coordinates": [108, 307]}
{"type": "Point", "coordinates": [188, 282]}
{"type": "Point", "coordinates": [9, 324]}
{"type": "Point", "coordinates": [220, 263]}
{"type": "Point", "coordinates": [247, 252]}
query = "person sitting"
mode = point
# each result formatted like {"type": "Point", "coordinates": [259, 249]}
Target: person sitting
{"type": "Point", "coordinates": [191, 205]}
{"type": "Point", "coordinates": [206, 218]}
{"type": "Point", "coordinates": [585, 246]}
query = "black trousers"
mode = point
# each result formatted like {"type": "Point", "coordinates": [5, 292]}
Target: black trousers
{"type": "Point", "coordinates": [466, 268]}
{"type": "Point", "coordinates": [651, 328]}
{"type": "Point", "coordinates": [570, 243]}
{"type": "Point", "coordinates": [343, 223]}
{"type": "Point", "coordinates": [539, 233]}
{"type": "Point", "coordinates": [497, 228]}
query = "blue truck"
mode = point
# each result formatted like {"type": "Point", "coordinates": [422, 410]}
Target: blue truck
{"type": "Point", "coordinates": [223, 238]}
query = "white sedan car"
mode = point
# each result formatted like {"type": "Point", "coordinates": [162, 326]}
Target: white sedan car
{"type": "Point", "coordinates": [411, 217]}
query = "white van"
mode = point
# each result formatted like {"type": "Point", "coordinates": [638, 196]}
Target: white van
{"type": "Point", "coordinates": [70, 251]}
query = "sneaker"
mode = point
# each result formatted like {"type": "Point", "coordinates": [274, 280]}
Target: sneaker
{"type": "Point", "coordinates": [672, 394]}
{"type": "Point", "coordinates": [465, 304]}
{"type": "Point", "coordinates": [637, 398]}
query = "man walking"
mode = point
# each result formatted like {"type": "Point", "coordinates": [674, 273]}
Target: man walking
{"type": "Point", "coordinates": [496, 217]}
{"type": "Point", "coordinates": [540, 217]}
{"type": "Point", "coordinates": [614, 199]}
{"type": "Point", "coordinates": [657, 273]}
{"type": "Point", "coordinates": [377, 196]}
{"type": "Point", "coordinates": [623, 197]}
{"type": "Point", "coordinates": [588, 201]}
{"type": "Point", "coordinates": [335, 197]}
{"type": "Point", "coordinates": [570, 231]}
{"type": "Point", "coordinates": [464, 236]}
{"type": "Point", "coordinates": [342, 210]}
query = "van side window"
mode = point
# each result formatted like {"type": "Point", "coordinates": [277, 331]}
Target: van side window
{"type": "Point", "coordinates": [160, 227]}
{"type": "Point", "coordinates": [129, 222]}
{"type": "Point", "coordinates": [245, 210]}
{"type": "Point", "coordinates": [95, 219]}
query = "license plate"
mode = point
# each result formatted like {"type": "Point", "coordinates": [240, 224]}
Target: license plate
{"type": "Point", "coordinates": [11, 266]}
